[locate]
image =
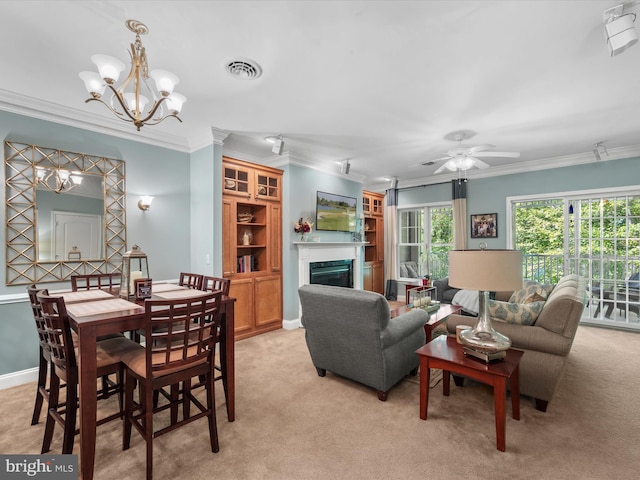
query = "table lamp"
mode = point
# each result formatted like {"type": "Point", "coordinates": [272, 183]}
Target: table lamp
{"type": "Point", "coordinates": [486, 271]}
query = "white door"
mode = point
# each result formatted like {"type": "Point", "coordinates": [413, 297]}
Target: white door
{"type": "Point", "coordinates": [80, 230]}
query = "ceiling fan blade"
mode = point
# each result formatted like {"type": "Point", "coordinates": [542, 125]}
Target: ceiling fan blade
{"type": "Point", "coordinates": [442, 168]}
{"type": "Point", "coordinates": [479, 163]}
{"type": "Point", "coordinates": [480, 148]}
{"type": "Point", "coordinates": [498, 154]}
{"type": "Point", "coordinates": [448, 157]}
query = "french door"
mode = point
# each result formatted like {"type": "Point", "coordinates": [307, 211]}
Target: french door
{"type": "Point", "coordinates": [593, 234]}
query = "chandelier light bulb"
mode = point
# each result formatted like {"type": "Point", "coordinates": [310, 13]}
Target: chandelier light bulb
{"type": "Point", "coordinates": [165, 81]}
{"type": "Point", "coordinates": [93, 82]}
{"type": "Point", "coordinates": [130, 100]}
{"type": "Point", "coordinates": [108, 67]}
{"type": "Point", "coordinates": [174, 102]}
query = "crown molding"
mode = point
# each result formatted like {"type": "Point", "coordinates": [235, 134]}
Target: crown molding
{"type": "Point", "coordinates": [43, 110]}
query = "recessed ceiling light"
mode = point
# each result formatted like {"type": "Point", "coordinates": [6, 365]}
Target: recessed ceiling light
{"type": "Point", "coordinates": [243, 68]}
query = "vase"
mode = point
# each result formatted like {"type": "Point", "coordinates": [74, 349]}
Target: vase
{"type": "Point", "coordinates": [303, 237]}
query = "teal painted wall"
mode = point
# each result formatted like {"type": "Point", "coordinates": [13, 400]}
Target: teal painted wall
{"type": "Point", "coordinates": [163, 232]}
{"type": "Point", "coordinates": [300, 187]}
{"type": "Point", "coordinates": [489, 195]}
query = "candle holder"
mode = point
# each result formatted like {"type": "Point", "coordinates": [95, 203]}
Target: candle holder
{"type": "Point", "coordinates": [135, 266]}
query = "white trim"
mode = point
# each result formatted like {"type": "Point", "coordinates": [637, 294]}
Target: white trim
{"type": "Point", "coordinates": [291, 324]}
{"type": "Point", "coordinates": [22, 377]}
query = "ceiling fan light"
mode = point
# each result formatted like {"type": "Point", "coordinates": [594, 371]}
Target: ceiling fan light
{"type": "Point", "coordinates": [109, 67]}
{"type": "Point", "coordinates": [93, 83]}
{"type": "Point", "coordinates": [165, 81]}
{"type": "Point", "coordinates": [175, 102]}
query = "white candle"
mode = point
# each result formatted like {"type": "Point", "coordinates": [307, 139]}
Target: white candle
{"type": "Point", "coordinates": [136, 274]}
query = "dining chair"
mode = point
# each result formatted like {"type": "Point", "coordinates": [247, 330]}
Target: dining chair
{"type": "Point", "coordinates": [191, 280]}
{"type": "Point", "coordinates": [64, 367]}
{"type": "Point", "coordinates": [44, 358]}
{"type": "Point", "coordinates": [212, 284]}
{"type": "Point", "coordinates": [102, 281]}
{"type": "Point", "coordinates": [180, 346]}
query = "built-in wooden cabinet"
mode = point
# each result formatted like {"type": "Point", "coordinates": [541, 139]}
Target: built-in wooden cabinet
{"type": "Point", "coordinates": [252, 244]}
{"type": "Point", "coordinates": [373, 269]}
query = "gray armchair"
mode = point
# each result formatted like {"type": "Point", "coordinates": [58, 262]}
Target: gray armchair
{"type": "Point", "coordinates": [350, 333]}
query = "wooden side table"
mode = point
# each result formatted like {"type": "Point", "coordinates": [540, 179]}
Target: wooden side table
{"type": "Point", "coordinates": [447, 354]}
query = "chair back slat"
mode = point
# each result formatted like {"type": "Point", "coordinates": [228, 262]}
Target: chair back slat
{"type": "Point", "coordinates": [57, 332]}
{"type": "Point", "coordinates": [182, 332]}
{"type": "Point", "coordinates": [94, 281]}
{"type": "Point", "coordinates": [191, 280]}
{"type": "Point", "coordinates": [213, 284]}
{"type": "Point", "coordinates": [36, 309]}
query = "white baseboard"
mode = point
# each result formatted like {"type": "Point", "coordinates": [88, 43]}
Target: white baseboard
{"type": "Point", "coordinates": [14, 379]}
{"type": "Point", "coordinates": [291, 324]}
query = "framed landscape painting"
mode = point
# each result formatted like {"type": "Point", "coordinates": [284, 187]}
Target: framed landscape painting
{"type": "Point", "coordinates": [484, 225]}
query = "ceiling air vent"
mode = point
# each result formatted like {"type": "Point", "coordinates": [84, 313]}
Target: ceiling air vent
{"type": "Point", "coordinates": [243, 68]}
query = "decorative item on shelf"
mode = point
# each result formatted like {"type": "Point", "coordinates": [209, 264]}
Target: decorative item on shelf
{"type": "Point", "coordinates": [247, 237]}
{"type": "Point", "coordinates": [229, 184]}
{"type": "Point", "coordinates": [74, 252]}
{"type": "Point", "coordinates": [134, 267]}
{"type": "Point", "coordinates": [303, 227]}
{"type": "Point", "coordinates": [127, 101]}
{"type": "Point", "coordinates": [245, 217]}
{"type": "Point", "coordinates": [486, 271]}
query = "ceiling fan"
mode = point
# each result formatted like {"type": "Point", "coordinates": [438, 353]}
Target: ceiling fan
{"type": "Point", "coordinates": [464, 158]}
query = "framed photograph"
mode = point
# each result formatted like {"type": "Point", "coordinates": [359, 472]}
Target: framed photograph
{"type": "Point", "coordinates": [142, 288]}
{"type": "Point", "coordinates": [484, 225]}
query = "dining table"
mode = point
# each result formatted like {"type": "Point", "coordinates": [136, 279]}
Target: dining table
{"type": "Point", "coordinates": [94, 313]}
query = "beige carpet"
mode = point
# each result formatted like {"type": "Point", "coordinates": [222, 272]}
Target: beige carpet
{"type": "Point", "coordinates": [292, 424]}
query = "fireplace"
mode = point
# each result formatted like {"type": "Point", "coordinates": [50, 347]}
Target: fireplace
{"type": "Point", "coordinates": [336, 272]}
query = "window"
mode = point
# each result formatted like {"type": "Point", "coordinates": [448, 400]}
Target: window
{"type": "Point", "coordinates": [425, 238]}
{"type": "Point", "coordinates": [594, 234]}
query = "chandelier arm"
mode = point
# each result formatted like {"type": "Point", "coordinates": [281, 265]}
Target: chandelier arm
{"type": "Point", "coordinates": [164, 118]}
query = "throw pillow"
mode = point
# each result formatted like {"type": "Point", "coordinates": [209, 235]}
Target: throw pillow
{"type": "Point", "coordinates": [403, 270]}
{"type": "Point", "coordinates": [516, 313]}
{"type": "Point", "coordinates": [536, 297]}
{"type": "Point", "coordinates": [530, 288]}
{"type": "Point", "coordinates": [412, 272]}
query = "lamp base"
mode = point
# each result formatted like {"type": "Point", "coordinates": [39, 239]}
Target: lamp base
{"type": "Point", "coordinates": [484, 356]}
{"type": "Point", "coordinates": [483, 338]}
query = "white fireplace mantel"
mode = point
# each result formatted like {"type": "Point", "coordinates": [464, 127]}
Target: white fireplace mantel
{"type": "Point", "coordinates": [309, 252]}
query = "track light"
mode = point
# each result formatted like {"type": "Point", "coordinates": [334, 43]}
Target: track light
{"type": "Point", "coordinates": [345, 166]}
{"type": "Point", "coordinates": [599, 150]}
{"type": "Point", "coordinates": [619, 29]}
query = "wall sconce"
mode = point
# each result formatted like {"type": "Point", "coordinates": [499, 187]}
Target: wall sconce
{"type": "Point", "coordinates": [145, 202]}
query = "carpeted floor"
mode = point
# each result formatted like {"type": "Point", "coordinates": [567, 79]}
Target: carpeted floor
{"type": "Point", "coordinates": [292, 424]}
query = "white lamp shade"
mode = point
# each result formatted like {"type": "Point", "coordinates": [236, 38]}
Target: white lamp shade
{"type": "Point", "coordinates": [175, 101]}
{"type": "Point", "coordinates": [165, 81]}
{"type": "Point", "coordinates": [146, 200]}
{"type": "Point", "coordinates": [130, 100]}
{"type": "Point", "coordinates": [40, 173]}
{"type": "Point", "coordinates": [64, 174]}
{"type": "Point", "coordinates": [621, 34]}
{"type": "Point", "coordinates": [109, 67]}
{"type": "Point", "coordinates": [93, 83]}
{"type": "Point", "coordinates": [76, 179]}
{"type": "Point", "coordinates": [486, 270]}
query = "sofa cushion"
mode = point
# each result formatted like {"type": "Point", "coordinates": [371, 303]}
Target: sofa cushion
{"type": "Point", "coordinates": [517, 313]}
{"type": "Point", "coordinates": [530, 288]}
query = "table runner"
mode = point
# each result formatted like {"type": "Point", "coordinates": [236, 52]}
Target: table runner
{"type": "Point", "coordinates": [166, 287]}
{"type": "Point", "coordinates": [184, 293]}
{"type": "Point", "coordinates": [81, 296]}
{"type": "Point", "coordinates": [101, 306]}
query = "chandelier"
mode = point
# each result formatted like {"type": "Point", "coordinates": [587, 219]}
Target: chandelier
{"type": "Point", "coordinates": [128, 101]}
{"type": "Point", "coordinates": [57, 180]}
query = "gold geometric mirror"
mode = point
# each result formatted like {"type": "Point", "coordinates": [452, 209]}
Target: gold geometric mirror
{"type": "Point", "coordinates": [33, 172]}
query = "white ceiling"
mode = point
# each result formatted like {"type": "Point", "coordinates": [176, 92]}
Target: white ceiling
{"type": "Point", "coordinates": [379, 82]}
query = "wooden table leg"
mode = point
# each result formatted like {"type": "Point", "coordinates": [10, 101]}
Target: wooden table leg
{"type": "Point", "coordinates": [88, 400]}
{"type": "Point", "coordinates": [514, 384]}
{"type": "Point", "coordinates": [425, 378]}
{"type": "Point", "coordinates": [446, 382]}
{"type": "Point", "coordinates": [228, 350]}
{"type": "Point", "coordinates": [500, 400]}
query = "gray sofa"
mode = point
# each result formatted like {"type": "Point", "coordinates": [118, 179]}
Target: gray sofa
{"type": "Point", "coordinates": [350, 333]}
{"type": "Point", "coordinates": [444, 292]}
{"type": "Point", "coordinates": [547, 342]}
